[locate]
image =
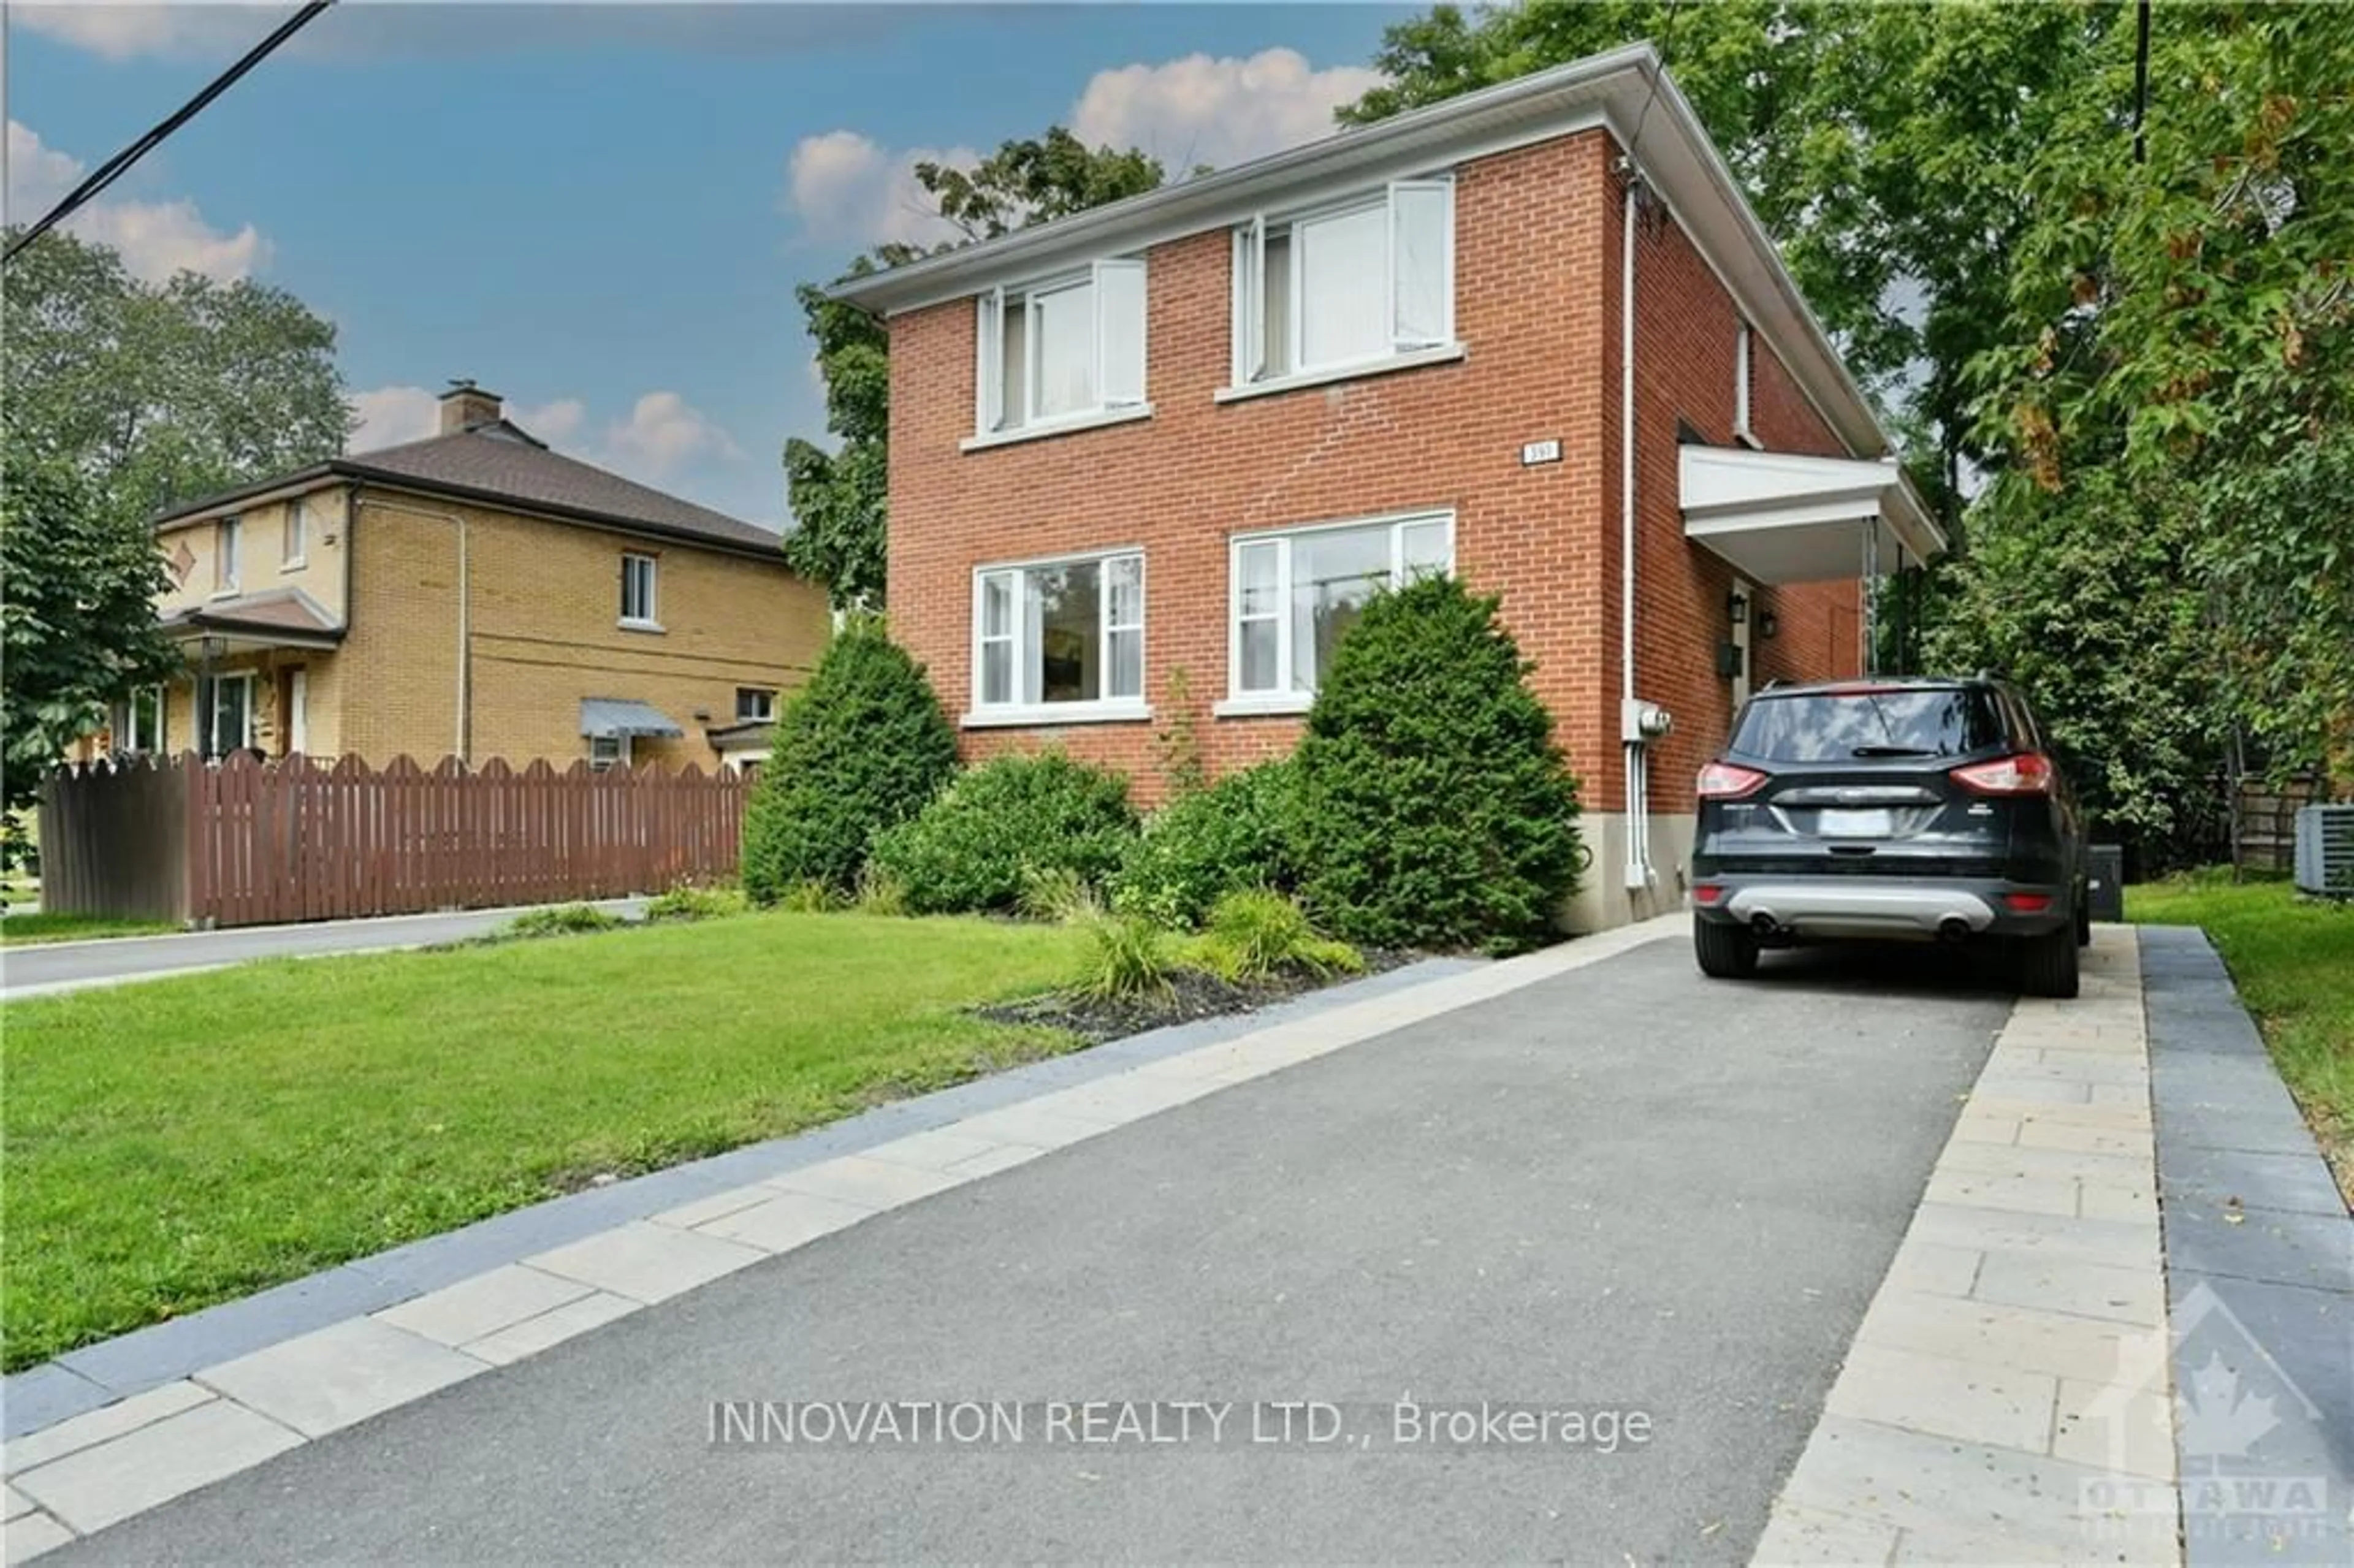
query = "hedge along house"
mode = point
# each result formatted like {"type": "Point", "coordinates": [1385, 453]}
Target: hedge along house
{"type": "Point", "coordinates": [1193, 431]}
{"type": "Point", "coordinates": [472, 595]}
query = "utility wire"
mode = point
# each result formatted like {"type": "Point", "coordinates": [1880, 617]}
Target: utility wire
{"type": "Point", "coordinates": [1666, 37]}
{"type": "Point", "coordinates": [114, 168]}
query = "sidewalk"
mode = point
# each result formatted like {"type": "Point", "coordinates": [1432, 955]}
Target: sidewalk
{"type": "Point", "coordinates": [45, 969]}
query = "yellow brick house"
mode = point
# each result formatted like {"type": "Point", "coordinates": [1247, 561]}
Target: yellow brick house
{"type": "Point", "coordinates": [472, 595]}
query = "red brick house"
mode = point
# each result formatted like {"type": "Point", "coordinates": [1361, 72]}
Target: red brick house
{"type": "Point", "coordinates": [1190, 432]}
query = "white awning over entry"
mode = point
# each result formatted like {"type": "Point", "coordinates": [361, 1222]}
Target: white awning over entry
{"type": "Point", "coordinates": [1780, 517]}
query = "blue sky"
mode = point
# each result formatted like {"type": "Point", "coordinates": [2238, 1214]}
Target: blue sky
{"type": "Point", "coordinates": [601, 210]}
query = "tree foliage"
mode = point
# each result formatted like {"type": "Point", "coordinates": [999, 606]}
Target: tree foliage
{"type": "Point", "coordinates": [162, 393]}
{"type": "Point", "coordinates": [838, 497]}
{"type": "Point", "coordinates": [1435, 809]}
{"type": "Point", "coordinates": [77, 602]}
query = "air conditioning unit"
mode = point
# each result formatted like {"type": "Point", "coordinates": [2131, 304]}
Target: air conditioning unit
{"type": "Point", "coordinates": [2325, 850]}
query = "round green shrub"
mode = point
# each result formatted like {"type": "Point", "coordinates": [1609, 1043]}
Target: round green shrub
{"type": "Point", "coordinates": [1435, 809]}
{"type": "Point", "coordinates": [1234, 835]}
{"type": "Point", "coordinates": [862, 747]}
{"type": "Point", "coordinates": [1003, 824]}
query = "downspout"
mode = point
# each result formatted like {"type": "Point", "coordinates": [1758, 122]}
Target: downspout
{"type": "Point", "coordinates": [1637, 782]}
{"type": "Point", "coordinates": [465, 728]}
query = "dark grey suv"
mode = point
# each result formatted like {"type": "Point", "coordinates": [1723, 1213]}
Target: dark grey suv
{"type": "Point", "coordinates": [1920, 809]}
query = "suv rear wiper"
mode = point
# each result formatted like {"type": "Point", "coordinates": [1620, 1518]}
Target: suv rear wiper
{"type": "Point", "coordinates": [1892, 751]}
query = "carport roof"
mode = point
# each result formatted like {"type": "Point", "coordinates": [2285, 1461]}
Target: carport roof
{"type": "Point", "coordinates": [1785, 517]}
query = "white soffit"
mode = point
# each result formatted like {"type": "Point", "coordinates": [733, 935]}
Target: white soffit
{"type": "Point", "coordinates": [1784, 517]}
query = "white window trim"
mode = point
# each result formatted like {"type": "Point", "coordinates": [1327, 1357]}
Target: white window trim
{"type": "Point", "coordinates": [620, 758]}
{"type": "Point", "coordinates": [651, 621]}
{"type": "Point", "coordinates": [229, 557]}
{"type": "Point", "coordinates": [1103, 710]}
{"type": "Point", "coordinates": [989, 350]}
{"type": "Point", "coordinates": [1744, 372]}
{"type": "Point", "coordinates": [298, 515]}
{"type": "Point", "coordinates": [743, 718]}
{"type": "Point", "coordinates": [1240, 703]}
{"type": "Point", "coordinates": [1246, 305]}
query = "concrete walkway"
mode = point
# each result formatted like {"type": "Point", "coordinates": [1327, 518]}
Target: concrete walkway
{"type": "Point", "coordinates": [45, 967]}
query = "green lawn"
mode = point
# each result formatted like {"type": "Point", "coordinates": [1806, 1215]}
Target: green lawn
{"type": "Point", "coordinates": [21, 930]}
{"type": "Point", "coordinates": [2293, 960]}
{"type": "Point", "coordinates": [181, 1142]}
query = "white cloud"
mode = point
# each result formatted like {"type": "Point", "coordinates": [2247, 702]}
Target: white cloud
{"type": "Point", "coordinates": [391, 415]}
{"type": "Point", "coordinates": [117, 32]}
{"type": "Point", "coordinates": [555, 423]}
{"type": "Point", "coordinates": [849, 189]}
{"type": "Point", "coordinates": [665, 431]}
{"type": "Point", "coordinates": [1220, 111]}
{"type": "Point", "coordinates": [156, 239]}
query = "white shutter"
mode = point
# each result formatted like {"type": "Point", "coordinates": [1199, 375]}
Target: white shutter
{"type": "Point", "coordinates": [1120, 333]}
{"type": "Point", "coordinates": [1250, 301]}
{"type": "Point", "coordinates": [1422, 263]}
{"type": "Point", "coordinates": [988, 371]}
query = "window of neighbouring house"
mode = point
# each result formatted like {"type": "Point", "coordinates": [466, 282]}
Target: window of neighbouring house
{"type": "Point", "coordinates": [638, 601]}
{"type": "Point", "coordinates": [1350, 284]}
{"type": "Point", "coordinates": [1295, 594]}
{"type": "Point", "coordinates": [1062, 351]}
{"type": "Point", "coordinates": [225, 553]}
{"type": "Point", "coordinates": [137, 725]}
{"type": "Point", "coordinates": [1742, 377]}
{"type": "Point", "coordinates": [1061, 635]}
{"type": "Point", "coordinates": [755, 702]}
{"type": "Point", "coordinates": [225, 708]}
{"type": "Point", "coordinates": [298, 527]}
{"type": "Point", "coordinates": [608, 751]}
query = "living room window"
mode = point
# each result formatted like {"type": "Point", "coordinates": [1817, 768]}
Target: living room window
{"type": "Point", "coordinates": [224, 554]}
{"type": "Point", "coordinates": [638, 599]}
{"type": "Point", "coordinates": [1295, 594]}
{"type": "Point", "coordinates": [225, 706]}
{"type": "Point", "coordinates": [1065, 351]}
{"type": "Point", "coordinates": [1345, 287]}
{"type": "Point", "coordinates": [1059, 640]}
{"type": "Point", "coordinates": [754, 704]}
{"type": "Point", "coordinates": [138, 722]}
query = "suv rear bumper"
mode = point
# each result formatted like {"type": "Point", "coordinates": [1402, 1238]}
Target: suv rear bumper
{"type": "Point", "coordinates": [1859, 907]}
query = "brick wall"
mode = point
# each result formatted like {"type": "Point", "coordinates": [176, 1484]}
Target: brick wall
{"type": "Point", "coordinates": [1537, 305]}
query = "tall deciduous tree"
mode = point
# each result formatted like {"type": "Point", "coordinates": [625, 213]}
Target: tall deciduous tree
{"type": "Point", "coordinates": [837, 498]}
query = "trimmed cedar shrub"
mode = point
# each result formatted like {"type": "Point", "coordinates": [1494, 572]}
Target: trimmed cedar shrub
{"type": "Point", "coordinates": [1000, 827]}
{"type": "Point", "coordinates": [1233, 836]}
{"type": "Point", "coordinates": [1435, 809]}
{"type": "Point", "coordinates": [861, 749]}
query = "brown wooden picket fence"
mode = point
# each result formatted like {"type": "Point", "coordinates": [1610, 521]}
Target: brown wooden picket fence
{"type": "Point", "coordinates": [246, 843]}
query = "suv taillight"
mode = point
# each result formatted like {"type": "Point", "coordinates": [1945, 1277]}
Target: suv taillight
{"type": "Point", "coordinates": [2028, 773]}
{"type": "Point", "coordinates": [1725, 781]}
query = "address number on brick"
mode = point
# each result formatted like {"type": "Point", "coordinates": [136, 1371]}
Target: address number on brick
{"type": "Point", "coordinates": [1535, 452]}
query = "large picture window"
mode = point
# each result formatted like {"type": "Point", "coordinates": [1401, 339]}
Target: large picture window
{"type": "Point", "coordinates": [1065, 636]}
{"type": "Point", "coordinates": [1063, 351]}
{"type": "Point", "coordinates": [1297, 594]}
{"type": "Point", "coordinates": [1346, 285]}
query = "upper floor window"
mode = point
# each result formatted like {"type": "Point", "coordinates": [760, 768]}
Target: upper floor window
{"type": "Point", "coordinates": [638, 601]}
{"type": "Point", "coordinates": [1345, 285]}
{"type": "Point", "coordinates": [755, 702]}
{"type": "Point", "coordinates": [224, 551]}
{"type": "Point", "coordinates": [1062, 350]}
{"type": "Point", "coordinates": [1295, 595]}
{"type": "Point", "coordinates": [298, 527]}
{"type": "Point", "coordinates": [1059, 634]}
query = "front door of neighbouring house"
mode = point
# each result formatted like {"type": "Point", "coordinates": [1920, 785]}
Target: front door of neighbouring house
{"type": "Point", "coordinates": [298, 710]}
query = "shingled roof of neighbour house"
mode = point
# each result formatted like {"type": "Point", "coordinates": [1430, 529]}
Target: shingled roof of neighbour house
{"type": "Point", "coordinates": [500, 464]}
{"type": "Point", "coordinates": [275, 610]}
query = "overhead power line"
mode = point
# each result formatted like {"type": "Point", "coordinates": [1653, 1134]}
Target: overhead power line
{"type": "Point", "coordinates": [114, 168]}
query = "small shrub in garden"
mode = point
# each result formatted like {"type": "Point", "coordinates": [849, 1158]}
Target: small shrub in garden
{"type": "Point", "coordinates": [1435, 809]}
{"type": "Point", "coordinates": [1126, 958]}
{"type": "Point", "coordinates": [688, 902]}
{"type": "Point", "coordinates": [806, 898]}
{"type": "Point", "coordinates": [880, 893]}
{"type": "Point", "coordinates": [1010, 819]}
{"type": "Point", "coordinates": [1257, 935]}
{"type": "Point", "coordinates": [1201, 846]}
{"type": "Point", "coordinates": [563, 920]}
{"type": "Point", "coordinates": [1056, 894]}
{"type": "Point", "coordinates": [860, 748]}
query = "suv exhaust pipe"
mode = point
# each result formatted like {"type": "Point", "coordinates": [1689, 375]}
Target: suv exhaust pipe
{"type": "Point", "coordinates": [1953, 929]}
{"type": "Point", "coordinates": [1763, 924]}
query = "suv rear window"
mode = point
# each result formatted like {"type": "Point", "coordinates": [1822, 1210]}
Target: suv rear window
{"type": "Point", "coordinates": [1835, 727]}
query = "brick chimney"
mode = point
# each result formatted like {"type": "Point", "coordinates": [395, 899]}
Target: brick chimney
{"type": "Point", "coordinates": [465, 405]}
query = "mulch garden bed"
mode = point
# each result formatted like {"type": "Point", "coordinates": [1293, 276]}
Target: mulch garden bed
{"type": "Point", "coordinates": [1193, 994]}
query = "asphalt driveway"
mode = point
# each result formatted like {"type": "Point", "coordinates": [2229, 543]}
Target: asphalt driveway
{"type": "Point", "coordinates": [1623, 1189]}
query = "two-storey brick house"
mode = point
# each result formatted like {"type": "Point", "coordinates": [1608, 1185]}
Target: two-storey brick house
{"type": "Point", "coordinates": [472, 595]}
{"type": "Point", "coordinates": [1192, 431]}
